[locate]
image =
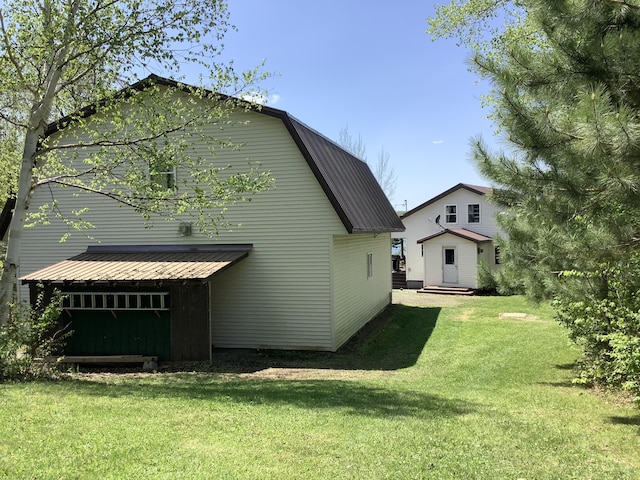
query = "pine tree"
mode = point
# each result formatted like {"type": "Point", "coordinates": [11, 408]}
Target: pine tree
{"type": "Point", "coordinates": [570, 108]}
{"type": "Point", "coordinates": [571, 111]}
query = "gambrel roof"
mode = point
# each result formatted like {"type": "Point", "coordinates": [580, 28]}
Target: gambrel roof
{"type": "Point", "coordinates": [346, 180]}
{"type": "Point", "coordinates": [472, 188]}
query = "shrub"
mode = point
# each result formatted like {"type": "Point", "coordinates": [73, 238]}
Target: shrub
{"type": "Point", "coordinates": [605, 322]}
{"type": "Point", "coordinates": [486, 279]}
{"type": "Point", "coordinates": [28, 338]}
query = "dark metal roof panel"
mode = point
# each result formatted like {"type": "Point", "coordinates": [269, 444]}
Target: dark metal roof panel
{"type": "Point", "coordinates": [348, 182]}
{"type": "Point", "coordinates": [134, 264]}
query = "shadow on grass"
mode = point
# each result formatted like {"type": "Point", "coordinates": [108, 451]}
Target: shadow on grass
{"type": "Point", "coordinates": [634, 421]}
{"type": "Point", "coordinates": [393, 340]}
{"type": "Point", "coordinates": [567, 366]}
{"type": "Point", "coordinates": [353, 398]}
{"type": "Point", "coordinates": [568, 383]}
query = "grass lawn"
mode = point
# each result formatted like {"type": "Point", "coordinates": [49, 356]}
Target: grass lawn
{"type": "Point", "coordinates": [448, 388]}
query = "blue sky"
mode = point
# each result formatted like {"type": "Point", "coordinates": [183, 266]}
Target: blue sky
{"type": "Point", "coordinates": [371, 66]}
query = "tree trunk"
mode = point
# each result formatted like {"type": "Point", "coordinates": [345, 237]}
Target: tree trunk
{"type": "Point", "coordinates": [9, 280]}
{"type": "Point", "coordinates": [40, 115]}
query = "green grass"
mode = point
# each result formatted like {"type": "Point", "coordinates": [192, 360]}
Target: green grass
{"type": "Point", "coordinates": [445, 388]}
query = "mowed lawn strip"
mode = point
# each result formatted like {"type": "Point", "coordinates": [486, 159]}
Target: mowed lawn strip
{"type": "Point", "coordinates": [444, 387]}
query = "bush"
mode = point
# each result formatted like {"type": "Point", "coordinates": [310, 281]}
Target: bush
{"type": "Point", "coordinates": [28, 338]}
{"type": "Point", "coordinates": [496, 281]}
{"type": "Point", "coordinates": [486, 279]}
{"type": "Point", "coordinates": [605, 322]}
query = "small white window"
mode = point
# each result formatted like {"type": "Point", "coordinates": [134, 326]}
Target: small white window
{"type": "Point", "coordinates": [369, 265]}
{"type": "Point", "coordinates": [162, 174]}
{"type": "Point", "coordinates": [451, 214]}
{"type": "Point", "coordinates": [473, 211]}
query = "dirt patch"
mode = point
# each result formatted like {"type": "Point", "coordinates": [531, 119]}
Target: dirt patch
{"type": "Point", "coordinates": [414, 299]}
{"type": "Point", "coordinates": [520, 316]}
{"type": "Point", "coordinates": [315, 374]}
{"type": "Point", "coordinates": [467, 314]}
{"type": "Point", "coordinates": [271, 373]}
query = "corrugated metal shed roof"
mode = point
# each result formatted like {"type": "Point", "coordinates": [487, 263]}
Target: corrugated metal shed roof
{"type": "Point", "coordinates": [459, 232]}
{"type": "Point", "coordinates": [472, 188]}
{"type": "Point", "coordinates": [142, 263]}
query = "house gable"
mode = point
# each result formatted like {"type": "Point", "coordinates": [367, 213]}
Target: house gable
{"type": "Point", "coordinates": [471, 188]}
{"type": "Point", "coordinates": [348, 182]}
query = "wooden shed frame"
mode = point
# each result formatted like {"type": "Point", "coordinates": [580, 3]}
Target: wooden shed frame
{"type": "Point", "coordinates": [189, 310]}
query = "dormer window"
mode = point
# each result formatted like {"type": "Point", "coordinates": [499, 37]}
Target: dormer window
{"type": "Point", "coordinates": [473, 212]}
{"type": "Point", "coordinates": [451, 214]}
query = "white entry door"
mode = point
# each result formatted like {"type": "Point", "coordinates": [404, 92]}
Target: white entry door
{"type": "Point", "coordinates": [449, 265]}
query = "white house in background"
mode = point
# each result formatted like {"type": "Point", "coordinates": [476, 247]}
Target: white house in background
{"type": "Point", "coordinates": [448, 236]}
{"type": "Point", "coordinates": [307, 268]}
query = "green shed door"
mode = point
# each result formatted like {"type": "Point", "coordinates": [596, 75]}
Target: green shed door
{"type": "Point", "coordinates": [100, 332]}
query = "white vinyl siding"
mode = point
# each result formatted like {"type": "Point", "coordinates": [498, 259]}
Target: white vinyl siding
{"type": "Point", "coordinates": [422, 224]}
{"type": "Point", "coordinates": [486, 253]}
{"type": "Point", "coordinates": [467, 260]}
{"type": "Point", "coordinates": [280, 295]}
{"type": "Point", "coordinates": [357, 298]}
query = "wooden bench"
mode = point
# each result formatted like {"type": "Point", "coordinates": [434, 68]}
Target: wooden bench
{"type": "Point", "coordinates": [148, 362]}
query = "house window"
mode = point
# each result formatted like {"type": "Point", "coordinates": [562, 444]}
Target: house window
{"type": "Point", "coordinates": [473, 211]}
{"type": "Point", "coordinates": [496, 255]}
{"type": "Point", "coordinates": [451, 213]}
{"type": "Point", "coordinates": [162, 174]}
{"type": "Point", "coordinates": [369, 265]}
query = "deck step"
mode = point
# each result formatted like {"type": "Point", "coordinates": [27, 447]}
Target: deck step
{"type": "Point", "coordinates": [447, 290]}
{"type": "Point", "coordinates": [399, 280]}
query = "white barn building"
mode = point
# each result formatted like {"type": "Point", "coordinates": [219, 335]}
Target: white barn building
{"type": "Point", "coordinates": [307, 268]}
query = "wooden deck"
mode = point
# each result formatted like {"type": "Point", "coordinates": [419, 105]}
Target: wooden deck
{"type": "Point", "coordinates": [438, 290]}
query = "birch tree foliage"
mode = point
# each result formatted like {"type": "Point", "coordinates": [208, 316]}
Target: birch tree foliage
{"type": "Point", "coordinates": [59, 56]}
{"type": "Point", "coordinates": [484, 27]}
